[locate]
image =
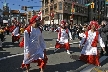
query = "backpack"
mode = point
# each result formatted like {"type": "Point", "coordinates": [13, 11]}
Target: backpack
{"type": "Point", "coordinates": [21, 44]}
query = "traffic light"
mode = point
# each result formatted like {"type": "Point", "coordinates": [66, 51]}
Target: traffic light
{"type": "Point", "coordinates": [106, 2]}
{"type": "Point", "coordinates": [73, 10]}
{"type": "Point", "coordinates": [92, 5]}
{"type": "Point", "coordinates": [24, 8]}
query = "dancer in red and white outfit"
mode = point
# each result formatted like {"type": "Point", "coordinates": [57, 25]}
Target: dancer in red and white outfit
{"type": "Point", "coordinates": [16, 33]}
{"type": "Point", "coordinates": [34, 45]}
{"type": "Point", "coordinates": [89, 53]}
{"type": "Point", "coordinates": [63, 41]}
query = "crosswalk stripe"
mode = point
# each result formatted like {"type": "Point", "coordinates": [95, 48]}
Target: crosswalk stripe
{"type": "Point", "coordinates": [97, 70]}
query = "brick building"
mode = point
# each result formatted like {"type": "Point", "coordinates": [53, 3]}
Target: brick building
{"type": "Point", "coordinates": [62, 10]}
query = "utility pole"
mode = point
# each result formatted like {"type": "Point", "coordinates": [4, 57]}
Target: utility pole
{"type": "Point", "coordinates": [92, 7]}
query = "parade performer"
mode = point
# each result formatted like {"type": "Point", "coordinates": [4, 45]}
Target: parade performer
{"type": "Point", "coordinates": [89, 53]}
{"type": "Point", "coordinates": [34, 45]}
{"type": "Point", "coordinates": [1, 36]}
{"type": "Point", "coordinates": [12, 27]}
{"type": "Point", "coordinates": [22, 30]}
{"type": "Point", "coordinates": [62, 41]}
{"type": "Point", "coordinates": [16, 33]}
{"type": "Point", "coordinates": [7, 29]}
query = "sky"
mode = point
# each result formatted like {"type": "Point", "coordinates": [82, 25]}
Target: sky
{"type": "Point", "coordinates": [16, 4]}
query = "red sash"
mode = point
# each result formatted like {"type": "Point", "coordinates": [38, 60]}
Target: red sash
{"type": "Point", "coordinates": [95, 41]}
{"type": "Point", "coordinates": [59, 35]}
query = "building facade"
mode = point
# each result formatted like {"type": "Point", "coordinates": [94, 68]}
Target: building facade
{"type": "Point", "coordinates": [99, 12]}
{"type": "Point", "coordinates": [62, 10]}
{"type": "Point", "coordinates": [32, 13]}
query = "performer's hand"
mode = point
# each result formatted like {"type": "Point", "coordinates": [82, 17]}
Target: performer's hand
{"type": "Point", "coordinates": [70, 39]}
{"type": "Point", "coordinates": [80, 47]}
{"type": "Point", "coordinates": [44, 51]}
{"type": "Point", "coordinates": [28, 55]}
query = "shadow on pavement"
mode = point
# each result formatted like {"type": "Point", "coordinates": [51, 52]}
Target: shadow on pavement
{"type": "Point", "coordinates": [9, 44]}
{"type": "Point", "coordinates": [48, 39]}
{"type": "Point", "coordinates": [3, 53]}
{"type": "Point", "coordinates": [63, 67]}
{"type": "Point", "coordinates": [72, 50]}
{"type": "Point", "coordinates": [11, 64]}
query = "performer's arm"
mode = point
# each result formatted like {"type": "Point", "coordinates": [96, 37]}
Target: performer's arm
{"type": "Point", "coordinates": [82, 40]}
{"type": "Point", "coordinates": [26, 42]}
{"type": "Point", "coordinates": [57, 30]}
{"type": "Point", "coordinates": [15, 31]}
{"type": "Point", "coordinates": [101, 42]}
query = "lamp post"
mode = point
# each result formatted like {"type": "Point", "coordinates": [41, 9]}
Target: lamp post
{"type": "Point", "coordinates": [92, 7]}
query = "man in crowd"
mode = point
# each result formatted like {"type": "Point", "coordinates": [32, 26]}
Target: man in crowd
{"type": "Point", "coordinates": [104, 34]}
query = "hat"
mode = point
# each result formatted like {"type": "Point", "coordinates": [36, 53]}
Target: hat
{"type": "Point", "coordinates": [34, 19]}
{"type": "Point", "coordinates": [62, 23]}
{"type": "Point", "coordinates": [95, 23]}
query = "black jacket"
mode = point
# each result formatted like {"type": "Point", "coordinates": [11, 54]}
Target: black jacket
{"type": "Point", "coordinates": [104, 32]}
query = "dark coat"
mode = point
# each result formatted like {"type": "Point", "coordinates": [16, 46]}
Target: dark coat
{"type": "Point", "coordinates": [104, 32]}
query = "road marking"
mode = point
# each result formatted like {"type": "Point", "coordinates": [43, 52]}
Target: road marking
{"type": "Point", "coordinates": [23, 53]}
{"type": "Point", "coordinates": [70, 43]}
{"type": "Point", "coordinates": [90, 67]}
{"type": "Point", "coordinates": [50, 44]}
{"type": "Point", "coordinates": [75, 42]}
{"type": "Point", "coordinates": [20, 54]}
{"type": "Point", "coordinates": [106, 70]}
{"type": "Point", "coordinates": [97, 70]}
{"type": "Point", "coordinates": [10, 56]}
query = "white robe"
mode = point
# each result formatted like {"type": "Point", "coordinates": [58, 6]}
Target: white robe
{"type": "Point", "coordinates": [34, 45]}
{"type": "Point", "coordinates": [16, 31]}
{"type": "Point", "coordinates": [88, 49]}
{"type": "Point", "coordinates": [64, 36]}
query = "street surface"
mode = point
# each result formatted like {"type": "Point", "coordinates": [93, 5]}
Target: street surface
{"type": "Point", "coordinates": [11, 57]}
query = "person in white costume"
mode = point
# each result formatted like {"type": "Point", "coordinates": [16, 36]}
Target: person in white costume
{"type": "Point", "coordinates": [63, 35]}
{"type": "Point", "coordinates": [16, 33]}
{"type": "Point", "coordinates": [89, 53]}
{"type": "Point", "coordinates": [34, 46]}
{"type": "Point", "coordinates": [81, 35]}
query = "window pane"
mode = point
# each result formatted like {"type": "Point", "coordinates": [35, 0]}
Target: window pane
{"type": "Point", "coordinates": [60, 5]}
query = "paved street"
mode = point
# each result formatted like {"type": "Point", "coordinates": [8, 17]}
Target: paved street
{"type": "Point", "coordinates": [57, 62]}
